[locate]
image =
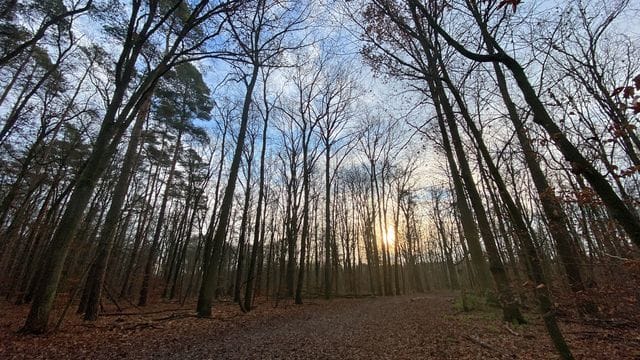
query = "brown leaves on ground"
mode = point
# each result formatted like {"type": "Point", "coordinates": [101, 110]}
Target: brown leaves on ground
{"type": "Point", "coordinates": [407, 327]}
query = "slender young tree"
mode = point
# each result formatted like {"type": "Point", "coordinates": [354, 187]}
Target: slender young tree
{"type": "Point", "coordinates": [259, 225]}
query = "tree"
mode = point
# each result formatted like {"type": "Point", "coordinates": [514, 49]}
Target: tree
{"type": "Point", "coordinates": [119, 114]}
{"type": "Point", "coordinates": [260, 35]}
{"type": "Point", "coordinates": [265, 112]}
{"type": "Point", "coordinates": [192, 103]}
{"type": "Point", "coordinates": [53, 13]}
{"type": "Point", "coordinates": [336, 99]}
{"type": "Point", "coordinates": [579, 164]}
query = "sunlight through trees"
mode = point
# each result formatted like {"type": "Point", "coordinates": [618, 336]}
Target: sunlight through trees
{"type": "Point", "coordinates": [251, 151]}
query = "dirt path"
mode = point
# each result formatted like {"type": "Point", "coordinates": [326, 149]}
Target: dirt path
{"type": "Point", "coordinates": [418, 327]}
{"type": "Point", "coordinates": [347, 329]}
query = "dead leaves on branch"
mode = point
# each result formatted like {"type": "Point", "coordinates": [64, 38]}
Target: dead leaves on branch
{"type": "Point", "coordinates": [628, 97]}
{"type": "Point", "coordinates": [514, 4]}
{"type": "Point", "coordinates": [627, 91]}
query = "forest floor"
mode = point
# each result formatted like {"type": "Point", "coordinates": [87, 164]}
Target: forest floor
{"type": "Point", "coordinates": [408, 327]}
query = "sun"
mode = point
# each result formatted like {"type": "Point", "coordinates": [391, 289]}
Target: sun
{"type": "Point", "coordinates": [389, 237]}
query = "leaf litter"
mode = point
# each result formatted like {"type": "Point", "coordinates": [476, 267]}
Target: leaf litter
{"type": "Point", "coordinates": [403, 327]}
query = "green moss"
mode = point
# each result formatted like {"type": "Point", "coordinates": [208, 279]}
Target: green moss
{"type": "Point", "coordinates": [470, 302]}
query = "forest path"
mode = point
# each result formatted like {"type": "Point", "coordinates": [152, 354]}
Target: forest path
{"type": "Point", "coordinates": [378, 328]}
{"type": "Point", "coordinates": [403, 327]}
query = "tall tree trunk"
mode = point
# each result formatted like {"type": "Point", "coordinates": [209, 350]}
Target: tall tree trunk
{"type": "Point", "coordinates": [97, 272]}
{"type": "Point", "coordinates": [47, 286]}
{"type": "Point", "coordinates": [243, 234]}
{"type": "Point", "coordinates": [327, 221]}
{"type": "Point", "coordinates": [556, 216]}
{"type": "Point", "coordinates": [210, 273]}
{"type": "Point", "coordinates": [155, 241]}
{"type": "Point", "coordinates": [306, 179]}
{"type": "Point", "coordinates": [510, 308]}
{"type": "Point", "coordinates": [469, 227]}
{"type": "Point", "coordinates": [251, 273]}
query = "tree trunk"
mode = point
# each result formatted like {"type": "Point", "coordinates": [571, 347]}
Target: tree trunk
{"type": "Point", "coordinates": [210, 273]}
{"type": "Point", "coordinates": [95, 279]}
{"type": "Point", "coordinates": [155, 242]}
